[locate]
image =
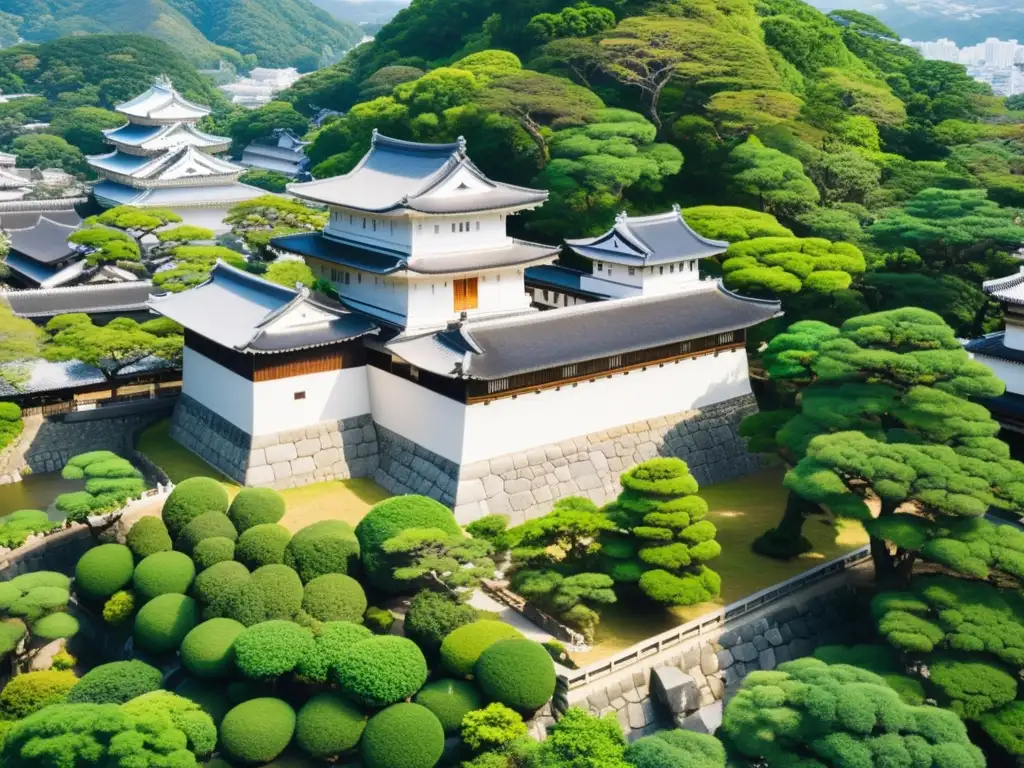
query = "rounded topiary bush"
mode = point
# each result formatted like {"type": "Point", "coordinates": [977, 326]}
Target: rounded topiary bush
{"type": "Point", "coordinates": [217, 586]}
{"type": "Point", "coordinates": [162, 623]}
{"type": "Point", "coordinates": [271, 592]}
{"type": "Point", "coordinates": [147, 537]}
{"type": "Point", "coordinates": [462, 647]}
{"type": "Point", "coordinates": [450, 700]}
{"type": "Point", "coordinates": [381, 670]}
{"type": "Point", "coordinates": [389, 518]}
{"type": "Point", "coordinates": [334, 597]}
{"type": "Point", "coordinates": [271, 648]}
{"type": "Point", "coordinates": [328, 725]}
{"type": "Point", "coordinates": [190, 499]}
{"type": "Point", "coordinates": [256, 506]}
{"type": "Point", "coordinates": [29, 581]}
{"type": "Point", "coordinates": [258, 730]}
{"type": "Point", "coordinates": [187, 716]}
{"type": "Point", "coordinates": [262, 545]}
{"type": "Point", "coordinates": [402, 736]}
{"type": "Point", "coordinates": [104, 570]}
{"type": "Point", "coordinates": [115, 683]}
{"type": "Point", "coordinates": [432, 617]}
{"type": "Point", "coordinates": [30, 692]}
{"type": "Point", "coordinates": [212, 551]}
{"type": "Point", "coordinates": [329, 546]}
{"type": "Point", "coordinates": [518, 673]}
{"type": "Point", "coordinates": [163, 573]}
{"type": "Point", "coordinates": [39, 601]}
{"type": "Point", "coordinates": [56, 626]}
{"type": "Point", "coordinates": [330, 641]}
{"type": "Point", "coordinates": [209, 525]}
{"type": "Point", "coordinates": [208, 649]}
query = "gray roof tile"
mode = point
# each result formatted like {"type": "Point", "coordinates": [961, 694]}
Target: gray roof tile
{"type": "Point", "coordinates": [46, 242]}
{"type": "Point", "coordinates": [657, 239]}
{"type": "Point", "coordinates": [91, 299]}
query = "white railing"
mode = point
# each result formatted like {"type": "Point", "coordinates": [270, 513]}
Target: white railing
{"type": "Point", "coordinates": [712, 622]}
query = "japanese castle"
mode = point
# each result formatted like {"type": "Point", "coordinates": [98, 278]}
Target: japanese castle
{"type": "Point", "coordinates": [160, 159]}
{"type": "Point", "coordinates": [436, 373]}
{"type": "Point", "coordinates": [1003, 351]}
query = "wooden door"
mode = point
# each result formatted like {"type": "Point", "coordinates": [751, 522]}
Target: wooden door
{"type": "Point", "coordinates": [465, 293]}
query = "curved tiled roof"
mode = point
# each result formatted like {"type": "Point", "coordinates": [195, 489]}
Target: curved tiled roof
{"type": "Point", "coordinates": [397, 175]}
{"type": "Point", "coordinates": [1009, 289]}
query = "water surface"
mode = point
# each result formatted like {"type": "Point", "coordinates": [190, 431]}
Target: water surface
{"type": "Point", "coordinates": [37, 492]}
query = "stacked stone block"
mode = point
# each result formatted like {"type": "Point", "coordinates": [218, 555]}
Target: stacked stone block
{"type": "Point", "coordinates": [407, 467]}
{"type": "Point", "coordinates": [666, 692]}
{"type": "Point", "coordinates": [211, 437]}
{"type": "Point", "coordinates": [527, 484]}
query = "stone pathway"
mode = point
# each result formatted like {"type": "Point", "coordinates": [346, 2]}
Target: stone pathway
{"type": "Point", "coordinates": [483, 602]}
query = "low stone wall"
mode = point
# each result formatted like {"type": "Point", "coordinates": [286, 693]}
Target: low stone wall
{"type": "Point", "coordinates": [525, 485]}
{"type": "Point", "coordinates": [333, 450]}
{"type": "Point", "coordinates": [407, 467]}
{"type": "Point", "coordinates": [709, 668]}
{"type": "Point", "coordinates": [48, 442]}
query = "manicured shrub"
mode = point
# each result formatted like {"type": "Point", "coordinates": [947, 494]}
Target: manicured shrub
{"type": "Point", "coordinates": [389, 518]}
{"type": "Point", "coordinates": [115, 683]}
{"type": "Point", "coordinates": [162, 623]}
{"type": "Point", "coordinates": [271, 648]}
{"type": "Point", "coordinates": [676, 749]}
{"type": "Point", "coordinates": [450, 701]}
{"type": "Point", "coordinates": [207, 526]}
{"type": "Point", "coordinates": [256, 506]}
{"type": "Point", "coordinates": [329, 546]}
{"type": "Point", "coordinates": [379, 620]}
{"type": "Point", "coordinates": [518, 673]}
{"type": "Point", "coordinates": [147, 537]}
{"type": "Point", "coordinates": [190, 499]}
{"type": "Point", "coordinates": [56, 626]}
{"type": "Point", "coordinates": [120, 607]}
{"type": "Point", "coordinates": [212, 551]}
{"type": "Point", "coordinates": [29, 581]}
{"type": "Point", "coordinates": [461, 648]}
{"type": "Point", "coordinates": [1006, 728]}
{"type": "Point", "coordinates": [187, 716]}
{"type": "Point", "coordinates": [334, 597]}
{"type": "Point", "coordinates": [163, 573]}
{"type": "Point", "coordinates": [16, 527]}
{"type": "Point", "coordinates": [9, 595]}
{"type": "Point", "coordinates": [432, 617]}
{"type": "Point", "coordinates": [210, 696]}
{"type": "Point", "coordinates": [62, 660]}
{"type": "Point", "coordinates": [104, 570]}
{"type": "Point", "coordinates": [217, 586]}
{"type": "Point", "coordinates": [492, 727]}
{"type": "Point", "coordinates": [38, 602]}
{"type": "Point", "coordinates": [11, 632]}
{"type": "Point", "coordinates": [208, 650]}
{"type": "Point", "coordinates": [402, 736]}
{"type": "Point", "coordinates": [330, 641]}
{"type": "Point", "coordinates": [258, 730]}
{"type": "Point", "coordinates": [381, 671]}
{"type": "Point", "coordinates": [971, 688]}
{"type": "Point", "coordinates": [28, 693]}
{"type": "Point", "coordinates": [262, 545]}
{"type": "Point", "coordinates": [271, 592]}
{"type": "Point", "coordinates": [328, 725]}
{"type": "Point", "coordinates": [488, 528]}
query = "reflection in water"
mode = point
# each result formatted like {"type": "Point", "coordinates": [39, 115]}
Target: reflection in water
{"type": "Point", "coordinates": [37, 492]}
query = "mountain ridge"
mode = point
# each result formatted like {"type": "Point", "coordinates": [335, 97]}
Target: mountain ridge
{"type": "Point", "coordinates": [277, 33]}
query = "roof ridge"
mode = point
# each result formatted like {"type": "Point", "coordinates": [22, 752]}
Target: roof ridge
{"type": "Point", "coordinates": [83, 288]}
{"type": "Point", "coordinates": [379, 139]}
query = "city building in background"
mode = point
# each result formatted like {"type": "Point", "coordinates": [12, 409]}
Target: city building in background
{"type": "Point", "coordinates": [999, 63]}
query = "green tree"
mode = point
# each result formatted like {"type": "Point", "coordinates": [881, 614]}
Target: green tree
{"type": "Point", "coordinates": [775, 180]}
{"type": "Point", "coordinates": [107, 246]}
{"type": "Point", "coordinates": [111, 348]}
{"type": "Point", "coordinates": [732, 224]}
{"type": "Point", "coordinates": [252, 124]}
{"type": "Point", "coordinates": [271, 181]}
{"type": "Point", "coordinates": [773, 266]}
{"type": "Point", "coordinates": [259, 220]}
{"type": "Point", "coordinates": [844, 177]}
{"type": "Point", "coordinates": [289, 273]}
{"type": "Point", "coordinates": [137, 222]}
{"type": "Point", "coordinates": [192, 264]}
{"type": "Point", "coordinates": [44, 150]}
{"type": "Point", "coordinates": [83, 127]}
{"type": "Point", "coordinates": [807, 712]}
{"type": "Point", "coordinates": [663, 541]}
{"type": "Point", "coordinates": [579, 20]}
{"type": "Point", "coordinates": [433, 559]}
{"type": "Point", "coordinates": [20, 343]}
{"type": "Point", "coordinates": [110, 482]}
{"type": "Point", "coordinates": [581, 739]}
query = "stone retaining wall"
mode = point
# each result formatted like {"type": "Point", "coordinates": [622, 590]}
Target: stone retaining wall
{"type": "Point", "coordinates": [407, 467]}
{"type": "Point", "coordinates": [333, 450]}
{"type": "Point", "coordinates": [526, 484]}
{"type": "Point", "coordinates": [708, 670]}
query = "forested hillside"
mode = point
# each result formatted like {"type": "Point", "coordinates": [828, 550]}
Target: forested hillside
{"type": "Point", "coordinates": [907, 175]}
{"type": "Point", "coordinates": [273, 33]}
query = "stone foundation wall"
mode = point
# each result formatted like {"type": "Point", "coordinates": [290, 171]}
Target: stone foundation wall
{"type": "Point", "coordinates": [706, 671]}
{"type": "Point", "coordinates": [333, 450]}
{"type": "Point", "coordinates": [526, 485]}
{"type": "Point", "coordinates": [407, 467]}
